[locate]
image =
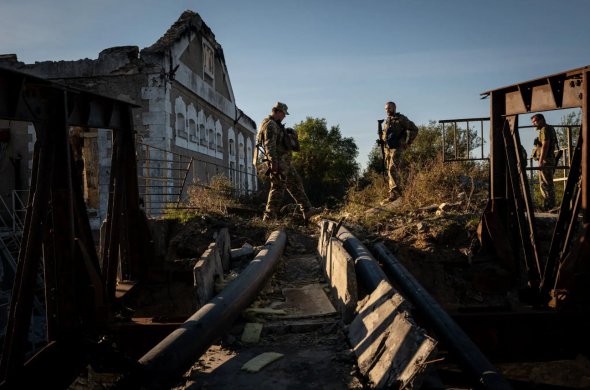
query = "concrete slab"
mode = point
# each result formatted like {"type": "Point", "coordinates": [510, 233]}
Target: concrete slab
{"type": "Point", "coordinates": [307, 301]}
{"type": "Point", "coordinates": [339, 269]}
{"type": "Point", "coordinates": [223, 243]}
{"type": "Point", "coordinates": [259, 362]}
{"type": "Point", "coordinates": [391, 350]}
{"type": "Point", "coordinates": [251, 333]}
{"type": "Point", "coordinates": [205, 272]}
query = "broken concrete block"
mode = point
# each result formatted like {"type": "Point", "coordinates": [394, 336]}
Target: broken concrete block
{"type": "Point", "coordinates": [390, 349]}
{"type": "Point", "coordinates": [262, 310]}
{"type": "Point", "coordinates": [251, 333]}
{"type": "Point", "coordinates": [339, 268]}
{"type": "Point", "coordinates": [259, 362]}
{"type": "Point", "coordinates": [223, 242]}
{"type": "Point", "coordinates": [205, 272]}
{"type": "Point", "coordinates": [308, 301]}
{"type": "Point", "coordinates": [246, 251]}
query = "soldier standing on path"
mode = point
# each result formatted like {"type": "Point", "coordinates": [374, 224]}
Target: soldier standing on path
{"type": "Point", "coordinates": [546, 153]}
{"type": "Point", "coordinates": [279, 143]}
{"type": "Point", "coordinates": [398, 133]}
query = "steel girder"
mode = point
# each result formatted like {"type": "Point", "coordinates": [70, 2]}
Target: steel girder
{"type": "Point", "coordinates": [567, 269]}
{"type": "Point", "coordinates": [80, 297]}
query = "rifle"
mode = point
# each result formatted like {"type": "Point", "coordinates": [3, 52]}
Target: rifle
{"type": "Point", "coordinates": [381, 143]}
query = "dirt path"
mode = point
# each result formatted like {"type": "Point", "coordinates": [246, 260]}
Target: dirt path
{"type": "Point", "coordinates": [307, 333]}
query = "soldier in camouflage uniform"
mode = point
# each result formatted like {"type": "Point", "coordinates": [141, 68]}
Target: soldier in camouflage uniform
{"type": "Point", "coordinates": [398, 133]}
{"type": "Point", "coordinates": [278, 148]}
{"type": "Point", "coordinates": [546, 154]}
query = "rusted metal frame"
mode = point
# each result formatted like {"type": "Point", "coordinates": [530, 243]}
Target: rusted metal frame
{"type": "Point", "coordinates": [473, 362]}
{"type": "Point", "coordinates": [110, 252]}
{"type": "Point", "coordinates": [560, 240]}
{"type": "Point", "coordinates": [11, 89]}
{"type": "Point", "coordinates": [522, 202]}
{"type": "Point", "coordinates": [494, 230]}
{"type": "Point", "coordinates": [85, 109]}
{"type": "Point", "coordinates": [586, 149]}
{"type": "Point", "coordinates": [561, 90]}
{"type": "Point", "coordinates": [497, 155]}
{"type": "Point", "coordinates": [19, 318]}
{"type": "Point", "coordinates": [58, 237]}
{"type": "Point", "coordinates": [135, 234]}
{"type": "Point", "coordinates": [572, 276]}
{"type": "Point", "coordinates": [21, 304]}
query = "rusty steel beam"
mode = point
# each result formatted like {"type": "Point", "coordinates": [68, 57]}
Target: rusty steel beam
{"type": "Point", "coordinates": [566, 222]}
{"type": "Point", "coordinates": [481, 372]}
{"type": "Point", "coordinates": [586, 149]}
{"type": "Point", "coordinates": [57, 229]}
{"type": "Point", "coordinates": [168, 360]}
{"type": "Point", "coordinates": [557, 91]}
{"type": "Point", "coordinates": [522, 202]}
{"type": "Point", "coordinates": [21, 99]}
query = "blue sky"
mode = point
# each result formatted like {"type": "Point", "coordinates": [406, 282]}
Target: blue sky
{"type": "Point", "coordinates": [338, 60]}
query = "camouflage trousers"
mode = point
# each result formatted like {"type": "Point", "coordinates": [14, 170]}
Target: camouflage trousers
{"type": "Point", "coordinates": [393, 159]}
{"type": "Point", "coordinates": [546, 184]}
{"type": "Point", "coordinates": [288, 179]}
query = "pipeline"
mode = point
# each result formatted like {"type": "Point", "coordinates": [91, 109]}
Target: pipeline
{"type": "Point", "coordinates": [367, 269]}
{"type": "Point", "coordinates": [173, 356]}
{"type": "Point", "coordinates": [474, 363]}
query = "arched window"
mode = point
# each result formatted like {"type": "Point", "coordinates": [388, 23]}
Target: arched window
{"type": "Point", "coordinates": [180, 126]}
{"type": "Point", "coordinates": [219, 136]}
{"type": "Point", "coordinates": [232, 148]}
{"type": "Point", "coordinates": [192, 130]}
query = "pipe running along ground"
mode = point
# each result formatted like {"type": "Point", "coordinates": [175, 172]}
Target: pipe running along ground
{"type": "Point", "coordinates": [475, 364]}
{"type": "Point", "coordinates": [166, 362]}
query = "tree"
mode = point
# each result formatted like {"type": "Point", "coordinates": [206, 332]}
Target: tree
{"type": "Point", "coordinates": [327, 161]}
{"type": "Point", "coordinates": [573, 119]}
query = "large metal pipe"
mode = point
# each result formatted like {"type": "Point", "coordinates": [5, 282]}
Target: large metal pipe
{"type": "Point", "coordinates": [367, 269]}
{"type": "Point", "coordinates": [174, 355]}
{"type": "Point", "coordinates": [474, 363]}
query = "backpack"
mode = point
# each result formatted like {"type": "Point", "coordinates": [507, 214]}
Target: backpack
{"type": "Point", "coordinates": [291, 140]}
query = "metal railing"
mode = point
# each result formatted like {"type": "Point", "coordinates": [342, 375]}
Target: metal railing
{"type": "Point", "coordinates": [462, 140]}
{"type": "Point", "coordinates": [164, 177]}
{"type": "Point", "coordinates": [459, 145]}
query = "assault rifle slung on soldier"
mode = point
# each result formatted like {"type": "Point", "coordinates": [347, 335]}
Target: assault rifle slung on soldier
{"type": "Point", "coordinates": [381, 143]}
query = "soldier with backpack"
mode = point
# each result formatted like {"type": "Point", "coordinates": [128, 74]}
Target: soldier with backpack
{"type": "Point", "coordinates": [278, 143]}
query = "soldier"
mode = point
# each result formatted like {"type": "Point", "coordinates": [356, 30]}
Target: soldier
{"type": "Point", "coordinates": [547, 161]}
{"type": "Point", "coordinates": [278, 144]}
{"type": "Point", "coordinates": [398, 133]}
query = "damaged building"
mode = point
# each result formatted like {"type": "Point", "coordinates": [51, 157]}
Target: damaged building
{"type": "Point", "coordinates": [188, 127]}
